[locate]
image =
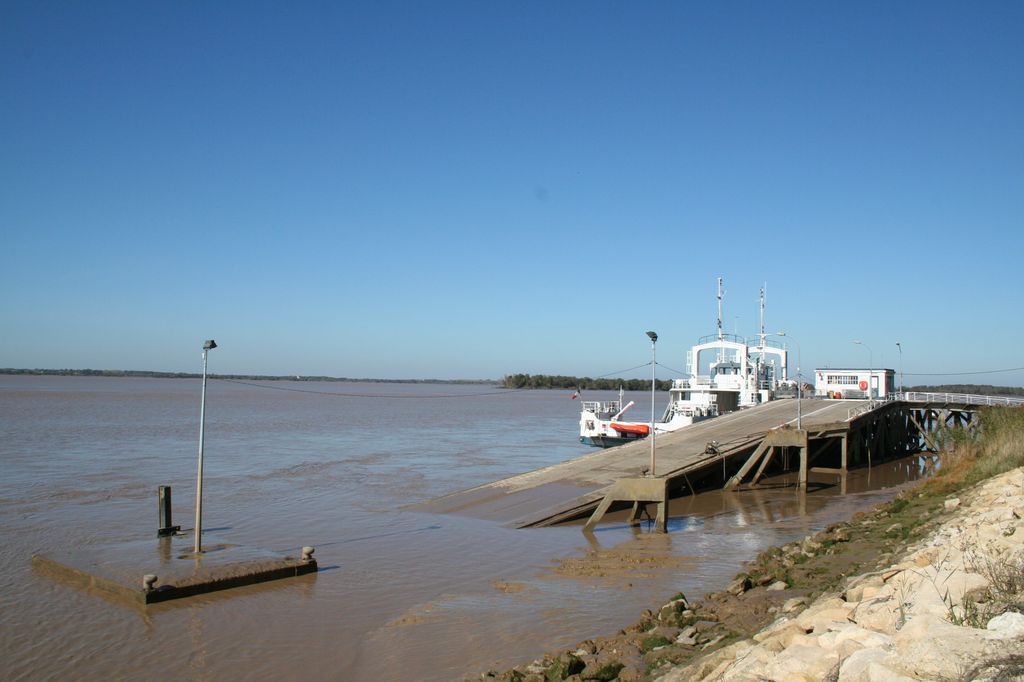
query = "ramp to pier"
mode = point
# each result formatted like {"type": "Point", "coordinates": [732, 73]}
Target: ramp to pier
{"type": "Point", "coordinates": [575, 487]}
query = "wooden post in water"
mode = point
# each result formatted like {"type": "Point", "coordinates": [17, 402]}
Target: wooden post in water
{"type": "Point", "coordinates": [163, 496]}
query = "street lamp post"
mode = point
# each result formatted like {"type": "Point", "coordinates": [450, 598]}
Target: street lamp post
{"type": "Point", "coordinates": [871, 364]}
{"type": "Point", "coordinates": [654, 369]}
{"type": "Point", "coordinates": [900, 347]}
{"type": "Point", "coordinates": [209, 345]}
{"type": "Point", "coordinates": [799, 382]}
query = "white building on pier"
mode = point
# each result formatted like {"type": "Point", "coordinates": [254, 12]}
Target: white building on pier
{"type": "Point", "coordinates": [843, 382]}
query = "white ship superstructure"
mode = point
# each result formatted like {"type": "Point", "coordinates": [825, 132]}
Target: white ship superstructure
{"type": "Point", "coordinates": [726, 373]}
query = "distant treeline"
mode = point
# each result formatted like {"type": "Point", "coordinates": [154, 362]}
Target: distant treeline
{"type": "Point", "coordinates": [582, 383]}
{"type": "Point", "coordinates": [236, 377]}
{"type": "Point", "coordinates": [976, 389]}
{"type": "Point", "coordinates": [510, 380]}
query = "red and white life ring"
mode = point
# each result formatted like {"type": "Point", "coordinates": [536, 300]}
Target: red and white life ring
{"type": "Point", "coordinates": [863, 385]}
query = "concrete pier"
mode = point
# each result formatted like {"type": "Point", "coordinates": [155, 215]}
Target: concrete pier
{"type": "Point", "coordinates": [149, 571]}
{"type": "Point", "coordinates": [713, 449]}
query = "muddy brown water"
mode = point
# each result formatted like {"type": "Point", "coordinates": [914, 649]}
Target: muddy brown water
{"type": "Point", "coordinates": [402, 595]}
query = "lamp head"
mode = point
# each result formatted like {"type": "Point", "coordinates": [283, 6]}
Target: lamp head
{"type": "Point", "coordinates": [654, 337]}
{"type": "Point", "coordinates": [210, 344]}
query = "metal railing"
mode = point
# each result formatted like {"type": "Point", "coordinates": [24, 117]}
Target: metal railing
{"type": "Point", "coordinates": [863, 409]}
{"type": "Point", "coordinates": [943, 398]}
{"type": "Point", "coordinates": [734, 338]}
{"type": "Point", "coordinates": [959, 398]}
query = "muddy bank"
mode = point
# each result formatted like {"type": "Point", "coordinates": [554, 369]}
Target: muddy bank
{"type": "Point", "coordinates": [689, 639]}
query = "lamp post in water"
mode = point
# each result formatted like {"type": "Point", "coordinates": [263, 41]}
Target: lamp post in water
{"type": "Point", "coordinates": [654, 369]}
{"type": "Point", "coordinates": [799, 382]}
{"type": "Point", "coordinates": [209, 345]}
{"type": "Point", "coordinates": [871, 364]}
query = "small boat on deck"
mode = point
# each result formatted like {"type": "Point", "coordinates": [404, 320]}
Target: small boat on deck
{"type": "Point", "coordinates": [638, 429]}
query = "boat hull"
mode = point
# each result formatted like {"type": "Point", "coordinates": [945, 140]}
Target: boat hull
{"type": "Point", "coordinates": [606, 441]}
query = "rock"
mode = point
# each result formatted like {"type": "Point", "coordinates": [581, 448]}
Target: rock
{"type": "Point", "coordinates": [838, 633]}
{"type": "Point", "coordinates": [793, 604]}
{"type": "Point", "coordinates": [810, 546]}
{"type": "Point", "coordinates": [740, 585]}
{"type": "Point", "coordinates": [669, 633]}
{"type": "Point", "coordinates": [1008, 625]}
{"type": "Point", "coordinates": [602, 671]}
{"type": "Point", "coordinates": [855, 667]}
{"type": "Point", "coordinates": [670, 611]}
{"type": "Point", "coordinates": [772, 628]}
{"type": "Point", "coordinates": [952, 504]}
{"type": "Point", "coordinates": [564, 666]}
{"type": "Point", "coordinates": [881, 614]}
{"type": "Point", "coordinates": [777, 586]}
{"type": "Point", "coordinates": [928, 647]}
{"type": "Point", "coordinates": [809, 660]}
{"type": "Point", "coordinates": [847, 648]}
{"type": "Point", "coordinates": [710, 666]}
{"type": "Point", "coordinates": [713, 642]}
{"type": "Point", "coordinates": [831, 608]}
{"type": "Point", "coordinates": [894, 528]}
{"type": "Point", "coordinates": [879, 673]}
{"type": "Point", "coordinates": [784, 634]}
{"type": "Point", "coordinates": [630, 673]}
{"type": "Point", "coordinates": [858, 589]}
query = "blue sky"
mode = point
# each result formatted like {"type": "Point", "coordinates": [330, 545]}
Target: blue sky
{"type": "Point", "coordinates": [465, 190]}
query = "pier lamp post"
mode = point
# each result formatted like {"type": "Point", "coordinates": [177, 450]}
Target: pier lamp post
{"type": "Point", "coordinates": [799, 382]}
{"type": "Point", "coordinates": [654, 369]}
{"type": "Point", "coordinates": [900, 347]}
{"type": "Point", "coordinates": [209, 345]}
{"type": "Point", "coordinates": [871, 364]}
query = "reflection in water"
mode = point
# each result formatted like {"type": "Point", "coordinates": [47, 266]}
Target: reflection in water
{"type": "Point", "coordinates": [414, 595]}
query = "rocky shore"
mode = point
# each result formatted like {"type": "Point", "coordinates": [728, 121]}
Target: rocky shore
{"type": "Point", "coordinates": [947, 610]}
{"type": "Point", "coordinates": [926, 587]}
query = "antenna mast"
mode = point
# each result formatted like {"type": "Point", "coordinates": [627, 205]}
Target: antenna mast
{"type": "Point", "coordinates": [762, 314]}
{"type": "Point", "coordinates": [719, 308]}
{"type": "Point", "coordinates": [762, 324]}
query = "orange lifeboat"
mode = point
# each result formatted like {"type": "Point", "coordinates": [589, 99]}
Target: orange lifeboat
{"type": "Point", "coordinates": [637, 429]}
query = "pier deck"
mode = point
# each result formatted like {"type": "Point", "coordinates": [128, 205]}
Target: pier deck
{"type": "Point", "coordinates": [573, 488]}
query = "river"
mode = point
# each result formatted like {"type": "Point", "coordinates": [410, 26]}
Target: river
{"type": "Point", "coordinates": [401, 594]}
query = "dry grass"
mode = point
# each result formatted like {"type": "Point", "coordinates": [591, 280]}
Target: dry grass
{"type": "Point", "coordinates": [969, 457]}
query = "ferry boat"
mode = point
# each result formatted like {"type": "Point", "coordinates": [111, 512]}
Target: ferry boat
{"type": "Point", "coordinates": [740, 373]}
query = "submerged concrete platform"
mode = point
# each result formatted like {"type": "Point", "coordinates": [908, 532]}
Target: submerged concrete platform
{"type": "Point", "coordinates": [124, 570]}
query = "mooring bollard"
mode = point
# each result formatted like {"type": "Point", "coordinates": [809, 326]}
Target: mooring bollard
{"type": "Point", "coordinates": [307, 553]}
{"type": "Point", "coordinates": [148, 582]}
{"type": "Point", "coordinates": [163, 496]}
